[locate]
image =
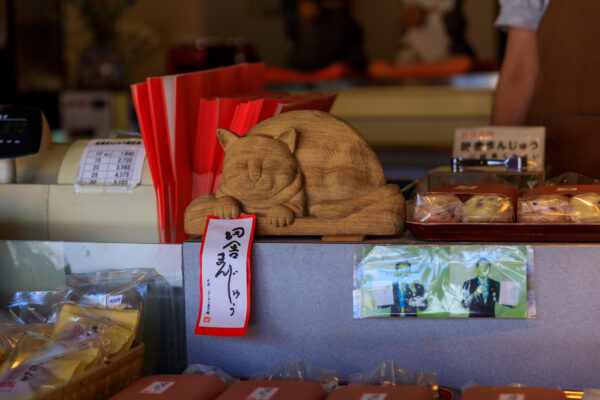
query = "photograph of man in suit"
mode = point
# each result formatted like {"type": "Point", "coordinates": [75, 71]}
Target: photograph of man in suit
{"type": "Point", "coordinates": [481, 293]}
{"type": "Point", "coordinates": [409, 296]}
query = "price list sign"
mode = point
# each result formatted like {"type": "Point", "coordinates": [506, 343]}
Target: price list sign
{"type": "Point", "coordinates": [111, 164]}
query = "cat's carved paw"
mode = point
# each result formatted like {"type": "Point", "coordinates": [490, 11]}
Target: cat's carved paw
{"type": "Point", "coordinates": [227, 207]}
{"type": "Point", "coordinates": [280, 216]}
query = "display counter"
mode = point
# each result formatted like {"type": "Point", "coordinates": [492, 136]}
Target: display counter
{"type": "Point", "coordinates": [302, 309]}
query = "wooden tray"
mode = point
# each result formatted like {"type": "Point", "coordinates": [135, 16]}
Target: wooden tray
{"type": "Point", "coordinates": [102, 381]}
{"type": "Point", "coordinates": [506, 232]}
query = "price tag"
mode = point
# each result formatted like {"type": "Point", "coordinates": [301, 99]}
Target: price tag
{"type": "Point", "coordinates": [112, 301]}
{"type": "Point", "coordinates": [111, 166]}
{"type": "Point", "coordinates": [157, 387]}
{"type": "Point", "coordinates": [225, 276]}
{"type": "Point", "coordinates": [511, 396]}
{"type": "Point", "coordinates": [262, 393]}
{"type": "Point", "coordinates": [373, 396]}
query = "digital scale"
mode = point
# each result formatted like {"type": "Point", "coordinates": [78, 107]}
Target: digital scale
{"type": "Point", "coordinates": [23, 131]}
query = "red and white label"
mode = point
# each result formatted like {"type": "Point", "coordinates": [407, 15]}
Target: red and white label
{"type": "Point", "coordinates": [157, 387]}
{"type": "Point", "coordinates": [262, 393]}
{"type": "Point", "coordinates": [225, 276]}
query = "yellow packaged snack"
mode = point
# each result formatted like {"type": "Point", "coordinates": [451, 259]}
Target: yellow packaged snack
{"type": "Point", "coordinates": [115, 328]}
{"type": "Point", "coordinates": [29, 379]}
{"type": "Point", "coordinates": [23, 345]}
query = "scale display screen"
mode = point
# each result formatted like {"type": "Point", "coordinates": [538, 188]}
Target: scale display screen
{"type": "Point", "coordinates": [20, 130]}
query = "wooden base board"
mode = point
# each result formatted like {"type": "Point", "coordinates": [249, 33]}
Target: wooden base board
{"type": "Point", "coordinates": [343, 238]}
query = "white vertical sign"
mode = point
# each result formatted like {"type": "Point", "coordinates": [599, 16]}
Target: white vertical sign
{"type": "Point", "coordinates": [225, 276]}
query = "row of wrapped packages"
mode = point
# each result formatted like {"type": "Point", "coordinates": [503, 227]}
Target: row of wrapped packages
{"type": "Point", "coordinates": [499, 203]}
{"type": "Point", "coordinates": [214, 387]}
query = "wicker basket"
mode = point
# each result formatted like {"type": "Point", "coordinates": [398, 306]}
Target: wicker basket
{"type": "Point", "coordinates": [102, 381]}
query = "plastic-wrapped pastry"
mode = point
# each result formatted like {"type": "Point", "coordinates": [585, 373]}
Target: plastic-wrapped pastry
{"type": "Point", "coordinates": [585, 208]}
{"type": "Point", "coordinates": [488, 208]}
{"type": "Point", "coordinates": [438, 207]}
{"type": "Point", "coordinates": [543, 209]}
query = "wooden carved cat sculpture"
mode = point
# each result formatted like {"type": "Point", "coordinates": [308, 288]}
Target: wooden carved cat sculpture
{"type": "Point", "coordinates": [302, 173]}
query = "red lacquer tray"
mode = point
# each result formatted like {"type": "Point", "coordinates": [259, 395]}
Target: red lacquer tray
{"type": "Point", "coordinates": [506, 232]}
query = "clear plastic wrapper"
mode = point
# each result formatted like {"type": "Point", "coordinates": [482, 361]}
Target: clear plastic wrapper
{"type": "Point", "coordinates": [300, 371]}
{"type": "Point", "coordinates": [29, 378]}
{"type": "Point", "coordinates": [488, 208]}
{"type": "Point", "coordinates": [115, 329]}
{"type": "Point", "coordinates": [201, 369]}
{"type": "Point", "coordinates": [157, 305]}
{"type": "Point", "coordinates": [392, 374]}
{"type": "Point", "coordinates": [437, 207]}
{"type": "Point", "coordinates": [543, 209]}
{"type": "Point", "coordinates": [585, 208]}
{"type": "Point", "coordinates": [141, 289]}
{"type": "Point", "coordinates": [450, 208]}
{"type": "Point", "coordinates": [36, 306]}
{"type": "Point", "coordinates": [36, 362]}
{"type": "Point", "coordinates": [577, 204]}
{"type": "Point", "coordinates": [444, 281]}
{"type": "Point", "coordinates": [571, 178]}
{"type": "Point", "coordinates": [111, 289]}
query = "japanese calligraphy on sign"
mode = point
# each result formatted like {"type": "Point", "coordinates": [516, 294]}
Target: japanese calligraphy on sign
{"type": "Point", "coordinates": [501, 142]}
{"type": "Point", "coordinates": [225, 276]}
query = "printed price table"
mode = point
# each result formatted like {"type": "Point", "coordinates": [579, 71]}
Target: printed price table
{"type": "Point", "coordinates": [111, 163]}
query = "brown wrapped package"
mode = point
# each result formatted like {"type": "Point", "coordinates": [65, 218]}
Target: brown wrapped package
{"type": "Point", "coordinates": [488, 208]}
{"type": "Point", "coordinates": [512, 393]}
{"type": "Point", "coordinates": [438, 207]}
{"type": "Point", "coordinates": [274, 390]}
{"type": "Point", "coordinates": [180, 387]}
{"type": "Point", "coordinates": [404, 392]}
{"type": "Point", "coordinates": [585, 208]}
{"type": "Point", "coordinates": [549, 208]}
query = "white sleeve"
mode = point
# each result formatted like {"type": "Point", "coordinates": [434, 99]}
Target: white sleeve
{"type": "Point", "coordinates": [525, 14]}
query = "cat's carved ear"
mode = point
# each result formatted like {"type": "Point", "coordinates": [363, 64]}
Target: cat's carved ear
{"type": "Point", "coordinates": [289, 137]}
{"type": "Point", "coordinates": [226, 137]}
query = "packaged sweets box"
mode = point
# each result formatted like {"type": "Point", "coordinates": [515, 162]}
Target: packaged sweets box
{"type": "Point", "coordinates": [359, 392]}
{"type": "Point", "coordinates": [512, 393]}
{"type": "Point", "coordinates": [182, 387]}
{"type": "Point", "coordinates": [274, 390]}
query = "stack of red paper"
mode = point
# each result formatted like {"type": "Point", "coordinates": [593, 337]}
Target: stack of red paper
{"type": "Point", "coordinates": [179, 116]}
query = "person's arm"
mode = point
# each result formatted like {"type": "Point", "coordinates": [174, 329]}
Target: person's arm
{"type": "Point", "coordinates": [517, 79]}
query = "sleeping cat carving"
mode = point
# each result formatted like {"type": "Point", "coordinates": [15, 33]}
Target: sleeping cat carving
{"type": "Point", "coordinates": [302, 173]}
